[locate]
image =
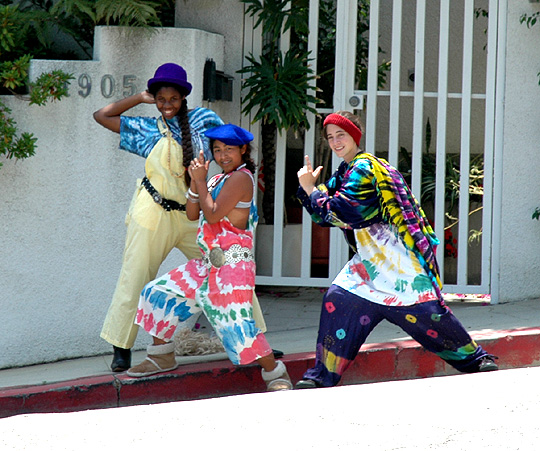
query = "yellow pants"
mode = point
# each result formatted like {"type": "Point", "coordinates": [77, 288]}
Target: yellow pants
{"type": "Point", "coordinates": [146, 248]}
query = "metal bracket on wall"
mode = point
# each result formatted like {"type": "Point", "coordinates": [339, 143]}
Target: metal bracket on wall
{"type": "Point", "coordinates": [216, 84]}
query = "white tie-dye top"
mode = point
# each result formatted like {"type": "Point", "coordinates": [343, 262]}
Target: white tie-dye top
{"type": "Point", "coordinates": [384, 271]}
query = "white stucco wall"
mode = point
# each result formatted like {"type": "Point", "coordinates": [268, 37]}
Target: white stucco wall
{"type": "Point", "coordinates": [62, 211]}
{"type": "Point", "coordinates": [224, 17]}
{"type": "Point", "coordinates": [520, 236]}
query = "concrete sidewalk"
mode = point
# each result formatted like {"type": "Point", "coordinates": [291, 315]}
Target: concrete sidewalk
{"type": "Point", "coordinates": [510, 331]}
{"type": "Point", "coordinates": [495, 411]}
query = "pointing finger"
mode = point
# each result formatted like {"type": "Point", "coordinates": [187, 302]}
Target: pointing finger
{"type": "Point", "coordinates": [308, 163]}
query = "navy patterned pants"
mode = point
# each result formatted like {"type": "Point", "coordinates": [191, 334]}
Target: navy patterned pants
{"type": "Point", "coordinates": [347, 320]}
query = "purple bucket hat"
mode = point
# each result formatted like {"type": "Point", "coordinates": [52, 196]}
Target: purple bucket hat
{"type": "Point", "coordinates": [170, 73]}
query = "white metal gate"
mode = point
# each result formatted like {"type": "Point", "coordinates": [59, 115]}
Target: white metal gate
{"type": "Point", "coordinates": [447, 66]}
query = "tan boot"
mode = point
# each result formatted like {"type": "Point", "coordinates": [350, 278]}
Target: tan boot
{"type": "Point", "coordinates": [278, 379]}
{"type": "Point", "coordinates": [160, 359]}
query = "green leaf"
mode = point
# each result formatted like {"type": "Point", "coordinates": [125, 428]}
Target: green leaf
{"type": "Point", "coordinates": [51, 85]}
{"type": "Point", "coordinates": [14, 74]}
{"type": "Point", "coordinates": [136, 13]}
{"type": "Point", "coordinates": [11, 145]}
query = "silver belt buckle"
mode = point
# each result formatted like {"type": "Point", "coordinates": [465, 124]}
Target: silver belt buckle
{"type": "Point", "coordinates": [217, 257]}
{"type": "Point", "coordinates": [157, 198]}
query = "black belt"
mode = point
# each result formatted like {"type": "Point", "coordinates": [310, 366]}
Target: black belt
{"type": "Point", "coordinates": [167, 204]}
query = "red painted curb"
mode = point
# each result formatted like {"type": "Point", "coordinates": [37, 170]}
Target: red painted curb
{"type": "Point", "coordinates": [377, 362]}
{"type": "Point", "coordinates": [69, 396]}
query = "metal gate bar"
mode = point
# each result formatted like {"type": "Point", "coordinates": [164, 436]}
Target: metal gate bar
{"type": "Point", "coordinates": [489, 140]}
{"type": "Point", "coordinates": [500, 26]}
{"type": "Point", "coordinates": [395, 73]}
{"type": "Point", "coordinates": [442, 110]}
{"type": "Point", "coordinates": [465, 147]}
{"type": "Point", "coordinates": [418, 104]}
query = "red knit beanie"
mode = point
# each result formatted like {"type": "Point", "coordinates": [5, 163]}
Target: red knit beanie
{"type": "Point", "coordinates": [345, 124]}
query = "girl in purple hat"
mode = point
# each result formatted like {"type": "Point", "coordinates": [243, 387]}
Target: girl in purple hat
{"type": "Point", "coordinates": [156, 220]}
{"type": "Point", "coordinates": [221, 281]}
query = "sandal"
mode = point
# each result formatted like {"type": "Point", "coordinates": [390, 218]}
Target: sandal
{"type": "Point", "coordinates": [160, 359]}
{"type": "Point", "coordinates": [278, 379]}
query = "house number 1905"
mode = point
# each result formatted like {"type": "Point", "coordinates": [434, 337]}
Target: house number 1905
{"type": "Point", "coordinates": [108, 85]}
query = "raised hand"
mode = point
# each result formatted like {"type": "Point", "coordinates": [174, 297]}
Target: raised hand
{"type": "Point", "coordinates": [307, 176]}
{"type": "Point", "coordinates": [146, 97]}
{"type": "Point", "coordinates": [198, 168]}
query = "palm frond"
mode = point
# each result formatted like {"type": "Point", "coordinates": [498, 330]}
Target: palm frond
{"type": "Point", "coordinates": [134, 13]}
{"type": "Point", "coordinates": [279, 90]}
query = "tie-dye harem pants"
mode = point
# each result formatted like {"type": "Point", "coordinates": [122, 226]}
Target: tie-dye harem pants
{"type": "Point", "coordinates": [224, 294]}
{"type": "Point", "coordinates": [347, 320]}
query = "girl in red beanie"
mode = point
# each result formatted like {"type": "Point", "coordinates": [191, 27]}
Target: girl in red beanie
{"type": "Point", "coordinates": [393, 274]}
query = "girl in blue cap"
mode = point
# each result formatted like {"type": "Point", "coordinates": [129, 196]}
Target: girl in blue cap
{"type": "Point", "coordinates": [156, 219]}
{"type": "Point", "coordinates": [221, 281]}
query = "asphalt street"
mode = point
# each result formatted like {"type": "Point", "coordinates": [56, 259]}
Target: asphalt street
{"type": "Point", "coordinates": [490, 411]}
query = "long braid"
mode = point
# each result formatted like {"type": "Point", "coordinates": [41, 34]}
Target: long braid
{"type": "Point", "coordinates": [187, 147]}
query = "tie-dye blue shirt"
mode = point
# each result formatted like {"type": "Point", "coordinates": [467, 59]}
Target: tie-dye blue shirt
{"type": "Point", "coordinates": [139, 135]}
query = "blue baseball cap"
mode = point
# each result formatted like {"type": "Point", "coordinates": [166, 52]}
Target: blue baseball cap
{"type": "Point", "coordinates": [230, 134]}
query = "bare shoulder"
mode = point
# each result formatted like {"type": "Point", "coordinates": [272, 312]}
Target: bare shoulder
{"type": "Point", "coordinates": [241, 184]}
{"type": "Point", "coordinates": [240, 178]}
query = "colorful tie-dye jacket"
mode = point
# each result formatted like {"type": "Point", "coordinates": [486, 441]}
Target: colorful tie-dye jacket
{"type": "Point", "coordinates": [394, 243]}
